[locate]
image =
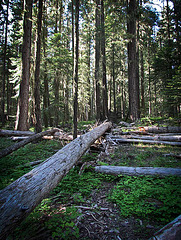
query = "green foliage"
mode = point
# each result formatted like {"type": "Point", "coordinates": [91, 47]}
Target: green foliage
{"type": "Point", "coordinates": [148, 197]}
{"type": "Point", "coordinates": [62, 225]}
{"type": "Point", "coordinates": [74, 183]}
{"type": "Point", "coordinates": [13, 165]}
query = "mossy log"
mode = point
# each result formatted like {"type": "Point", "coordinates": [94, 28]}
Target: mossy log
{"type": "Point", "coordinates": [19, 199]}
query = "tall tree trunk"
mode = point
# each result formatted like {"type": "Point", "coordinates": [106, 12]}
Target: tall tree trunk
{"type": "Point", "coordinates": [46, 100]}
{"type": "Point", "coordinates": [26, 54]}
{"type": "Point", "coordinates": [76, 67]}
{"type": "Point", "coordinates": [133, 80]}
{"type": "Point", "coordinates": [97, 60]}
{"type": "Point", "coordinates": [38, 126]}
{"type": "Point", "coordinates": [4, 66]}
{"type": "Point", "coordinates": [142, 84]}
{"type": "Point", "coordinates": [113, 77]}
{"type": "Point", "coordinates": [104, 81]}
{"type": "Point", "coordinates": [149, 82]}
{"type": "Point", "coordinates": [89, 74]}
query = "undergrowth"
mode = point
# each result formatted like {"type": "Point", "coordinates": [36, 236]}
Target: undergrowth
{"type": "Point", "coordinates": [148, 197]}
{"type": "Point", "coordinates": [13, 166]}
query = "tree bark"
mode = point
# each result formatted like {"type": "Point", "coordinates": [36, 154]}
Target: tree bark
{"type": "Point", "coordinates": [163, 129]}
{"type": "Point", "coordinates": [46, 98]}
{"type": "Point", "coordinates": [7, 133]}
{"type": "Point", "coordinates": [137, 171]}
{"type": "Point", "coordinates": [172, 231]}
{"type": "Point", "coordinates": [22, 196]}
{"type": "Point", "coordinates": [133, 80]}
{"type": "Point", "coordinates": [123, 140]}
{"type": "Point", "coordinates": [76, 68]}
{"type": "Point", "coordinates": [103, 51]}
{"type": "Point", "coordinates": [16, 146]}
{"type": "Point", "coordinates": [26, 54]}
{"type": "Point", "coordinates": [5, 72]}
{"type": "Point", "coordinates": [176, 138]}
{"type": "Point", "coordinates": [97, 60]}
{"type": "Point", "coordinates": [38, 126]}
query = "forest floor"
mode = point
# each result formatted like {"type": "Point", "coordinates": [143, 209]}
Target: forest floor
{"type": "Point", "coordinates": [97, 206]}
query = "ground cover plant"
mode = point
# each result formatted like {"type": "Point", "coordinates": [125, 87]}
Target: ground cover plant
{"type": "Point", "coordinates": [98, 206]}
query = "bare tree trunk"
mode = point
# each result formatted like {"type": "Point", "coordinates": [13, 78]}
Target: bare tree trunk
{"type": "Point", "coordinates": [104, 81]}
{"type": "Point", "coordinates": [76, 67]}
{"type": "Point", "coordinates": [26, 54]}
{"type": "Point", "coordinates": [137, 171]}
{"type": "Point", "coordinates": [19, 199]}
{"type": "Point", "coordinates": [4, 67]}
{"type": "Point", "coordinates": [46, 101]}
{"type": "Point", "coordinates": [7, 133]}
{"type": "Point", "coordinates": [38, 125]}
{"type": "Point", "coordinates": [97, 60]}
{"type": "Point", "coordinates": [123, 140]}
{"type": "Point", "coordinates": [163, 129]}
{"type": "Point", "coordinates": [133, 80]}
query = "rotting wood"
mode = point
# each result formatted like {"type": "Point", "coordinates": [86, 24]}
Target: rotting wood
{"type": "Point", "coordinates": [172, 231]}
{"type": "Point", "coordinates": [8, 133]}
{"type": "Point", "coordinates": [18, 145]}
{"type": "Point", "coordinates": [19, 199]}
{"type": "Point", "coordinates": [136, 171]}
{"type": "Point", "coordinates": [123, 140]}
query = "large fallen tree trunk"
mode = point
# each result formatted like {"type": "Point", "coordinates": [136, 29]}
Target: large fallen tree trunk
{"type": "Point", "coordinates": [172, 231]}
{"type": "Point", "coordinates": [162, 129]}
{"type": "Point", "coordinates": [8, 133]}
{"type": "Point", "coordinates": [123, 140]}
{"type": "Point", "coordinates": [32, 138]}
{"type": "Point", "coordinates": [136, 171]}
{"type": "Point", "coordinates": [22, 196]}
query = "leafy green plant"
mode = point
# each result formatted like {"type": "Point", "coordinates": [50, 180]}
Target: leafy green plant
{"type": "Point", "coordinates": [148, 197]}
{"type": "Point", "coordinates": [13, 165]}
{"type": "Point", "coordinates": [62, 225]}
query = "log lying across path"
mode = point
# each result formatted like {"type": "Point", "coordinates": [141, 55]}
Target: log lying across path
{"type": "Point", "coordinates": [172, 231]}
{"type": "Point", "coordinates": [136, 171]}
{"type": "Point", "coordinates": [32, 138]}
{"type": "Point", "coordinates": [22, 196]}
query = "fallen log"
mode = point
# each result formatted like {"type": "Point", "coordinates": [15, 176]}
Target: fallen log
{"type": "Point", "coordinates": [136, 171]}
{"type": "Point", "coordinates": [18, 145]}
{"type": "Point", "coordinates": [163, 129]}
{"type": "Point", "coordinates": [172, 231]}
{"type": "Point", "coordinates": [176, 138]}
{"type": "Point", "coordinates": [9, 133]}
{"type": "Point", "coordinates": [123, 140]}
{"type": "Point", "coordinates": [22, 196]}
